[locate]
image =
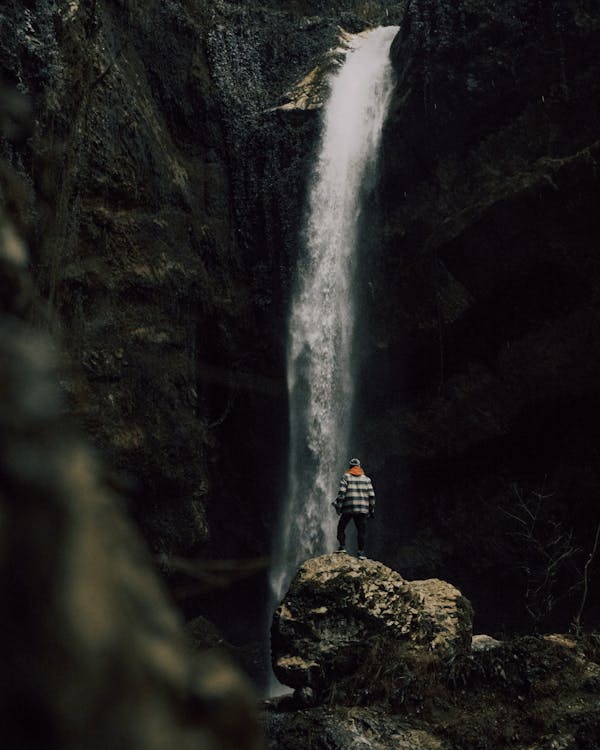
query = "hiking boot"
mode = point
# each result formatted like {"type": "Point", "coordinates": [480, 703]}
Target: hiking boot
{"type": "Point", "coordinates": [361, 555]}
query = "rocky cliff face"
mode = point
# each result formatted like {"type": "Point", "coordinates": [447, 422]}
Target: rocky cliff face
{"type": "Point", "coordinates": [93, 652]}
{"type": "Point", "coordinates": [195, 195]}
{"type": "Point", "coordinates": [161, 199]}
{"type": "Point", "coordinates": [480, 387]}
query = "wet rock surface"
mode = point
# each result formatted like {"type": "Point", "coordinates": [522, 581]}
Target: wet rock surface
{"type": "Point", "coordinates": [337, 607]}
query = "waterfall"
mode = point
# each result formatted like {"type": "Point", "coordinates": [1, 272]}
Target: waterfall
{"type": "Point", "coordinates": [320, 378]}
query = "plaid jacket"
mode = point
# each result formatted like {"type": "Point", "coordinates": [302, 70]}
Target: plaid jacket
{"type": "Point", "coordinates": [355, 495]}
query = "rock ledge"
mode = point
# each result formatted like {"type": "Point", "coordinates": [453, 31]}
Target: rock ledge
{"type": "Point", "coordinates": [337, 605]}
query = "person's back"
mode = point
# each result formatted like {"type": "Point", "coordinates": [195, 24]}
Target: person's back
{"type": "Point", "coordinates": [357, 491]}
{"type": "Point", "coordinates": [355, 501]}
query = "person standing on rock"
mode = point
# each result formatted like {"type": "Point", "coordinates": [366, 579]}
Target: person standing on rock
{"type": "Point", "coordinates": [355, 501]}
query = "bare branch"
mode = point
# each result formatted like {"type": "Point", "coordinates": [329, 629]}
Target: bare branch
{"type": "Point", "coordinates": [547, 548]}
{"type": "Point", "coordinates": [577, 618]}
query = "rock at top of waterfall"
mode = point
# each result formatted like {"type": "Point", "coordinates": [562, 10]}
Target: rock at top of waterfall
{"type": "Point", "coordinates": [312, 90]}
{"type": "Point", "coordinates": [337, 605]}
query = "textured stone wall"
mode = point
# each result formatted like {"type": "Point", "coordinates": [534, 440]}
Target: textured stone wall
{"type": "Point", "coordinates": [93, 652]}
{"type": "Point", "coordinates": [480, 388]}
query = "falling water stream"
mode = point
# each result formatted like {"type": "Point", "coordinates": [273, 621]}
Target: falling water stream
{"type": "Point", "coordinates": [320, 377]}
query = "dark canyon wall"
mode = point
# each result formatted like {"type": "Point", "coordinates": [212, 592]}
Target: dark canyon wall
{"type": "Point", "coordinates": [162, 195]}
{"type": "Point", "coordinates": [480, 388]}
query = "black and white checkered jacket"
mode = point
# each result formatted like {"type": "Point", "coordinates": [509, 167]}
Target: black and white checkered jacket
{"type": "Point", "coordinates": [356, 494]}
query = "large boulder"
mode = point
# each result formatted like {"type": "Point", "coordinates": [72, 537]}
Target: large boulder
{"type": "Point", "coordinates": [337, 607]}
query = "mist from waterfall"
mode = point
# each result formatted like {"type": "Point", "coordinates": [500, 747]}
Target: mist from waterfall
{"type": "Point", "coordinates": [321, 326]}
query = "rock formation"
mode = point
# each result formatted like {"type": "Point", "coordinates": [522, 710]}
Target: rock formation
{"type": "Point", "coordinates": [338, 609]}
{"type": "Point", "coordinates": [530, 694]}
{"type": "Point", "coordinates": [387, 664]}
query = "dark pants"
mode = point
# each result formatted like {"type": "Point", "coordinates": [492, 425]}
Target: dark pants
{"type": "Point", "coordinates": [360, 521]}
